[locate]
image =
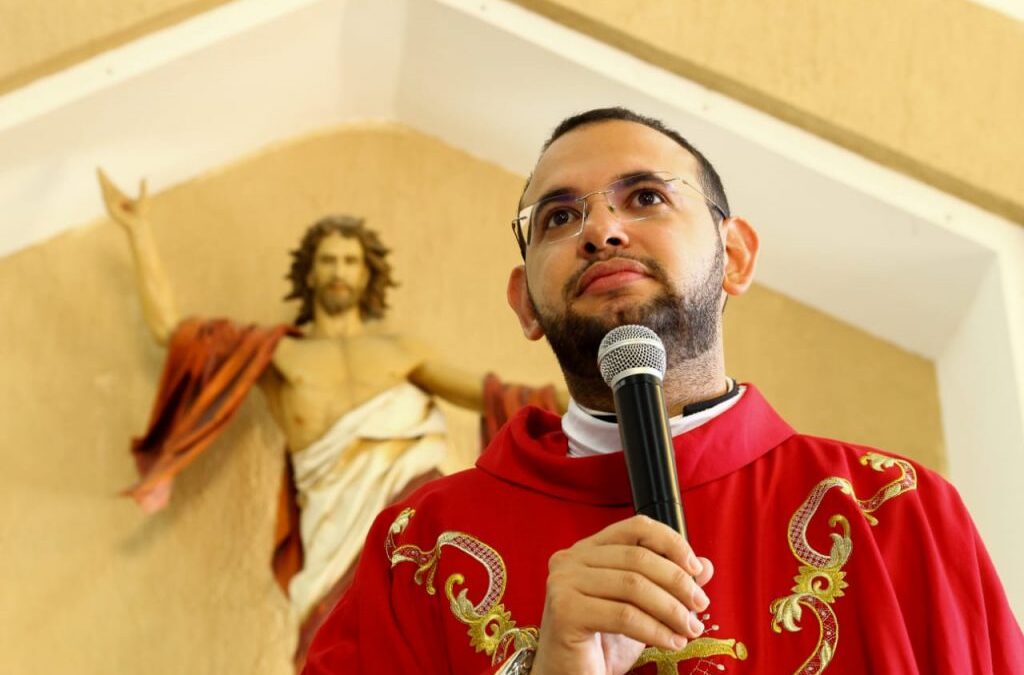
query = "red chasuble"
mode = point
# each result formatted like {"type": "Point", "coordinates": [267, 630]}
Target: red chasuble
{"type": "Point", "coordinates": [829, 557]}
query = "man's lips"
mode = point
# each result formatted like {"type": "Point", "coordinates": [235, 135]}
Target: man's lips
{"type": "Point", "coordinates": [610, 274]}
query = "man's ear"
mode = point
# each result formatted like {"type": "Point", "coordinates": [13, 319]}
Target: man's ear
{"type": "Point", "coordinates": [519, 300]}
{"type": "Point", "coordinates": [741, 245]}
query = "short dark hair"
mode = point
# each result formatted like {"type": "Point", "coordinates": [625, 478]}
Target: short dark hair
{"type": "Point", "coordinates": [373, 302]}
{"type": "Point", "coordinates": [707, 176]}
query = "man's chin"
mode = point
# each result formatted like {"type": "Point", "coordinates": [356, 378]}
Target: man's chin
{"type": "Point", "coordinates": [614, 311]}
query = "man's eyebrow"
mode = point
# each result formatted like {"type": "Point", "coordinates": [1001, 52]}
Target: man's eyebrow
{"type": "Point", "coordinates": [557, 192]}
{"type": "Point", "coordinates": [633, 175]}
{"type": "Point", "coordinates": [565, 191]}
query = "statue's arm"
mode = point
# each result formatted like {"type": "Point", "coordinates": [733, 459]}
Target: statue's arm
{"type": "Point", "coordinates": [456, 386]}
{"type": "Point", "coordinates": [158, 306]}
{"type": "Point", "coordinates": [462, 388]}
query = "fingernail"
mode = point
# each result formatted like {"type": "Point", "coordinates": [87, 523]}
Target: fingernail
{"type": "Point", "coordinates": [695, 625]}
{"type": "Point", "coordinates": [700, 598]}
{"type": "Point", "coordinates": [679, 641]}
{"type": "Point", "coordinates": [694, 564]}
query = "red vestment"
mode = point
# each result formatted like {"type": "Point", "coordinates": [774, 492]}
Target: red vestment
{"type": "Point", "coordinates": [829, 557]}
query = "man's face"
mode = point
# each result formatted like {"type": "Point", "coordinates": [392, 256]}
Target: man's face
{"type": "Point", "coordinates": [665, 273]}
{"type": "Point", "coordinates": [339, 275]}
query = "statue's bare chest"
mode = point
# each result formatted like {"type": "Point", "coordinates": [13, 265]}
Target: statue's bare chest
{"type": "Point", "coordinates": [322, 379]}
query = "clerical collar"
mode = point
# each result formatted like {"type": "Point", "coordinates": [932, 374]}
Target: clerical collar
{"type": "Point", "coordinates": [593, 432]}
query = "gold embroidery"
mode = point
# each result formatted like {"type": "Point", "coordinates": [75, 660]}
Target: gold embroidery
{"type": "Point", "coordinates": [700, 648]}
{"type": "Point", "coordinates": [820, 579]}
{"type": "Point", "coordinates": [491, 628]}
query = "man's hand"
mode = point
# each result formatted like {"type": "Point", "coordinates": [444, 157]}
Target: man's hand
{"type": "Point", "coordinates": [129, 213]}
{"type": "Point", "coordinates": [632, 584]}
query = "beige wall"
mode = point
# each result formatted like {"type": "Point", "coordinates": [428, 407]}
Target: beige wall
{"type": "Point", "coordinates": [93, 586]}
{"type": "Point", "coordinates": [928, 87]}
{"type": "Point", "coordinates": [828, 378]}
{"type": "Point", "coordinates": [40, 38]}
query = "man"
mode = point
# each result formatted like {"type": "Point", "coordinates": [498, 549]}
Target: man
{"type": "Point", "coordinates": [805, 555]}
{"type": "Point", "coordinates": [354, 403]}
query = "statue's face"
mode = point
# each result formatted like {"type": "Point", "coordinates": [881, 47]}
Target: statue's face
{"type": "Point", "coordinates": [339, 275]}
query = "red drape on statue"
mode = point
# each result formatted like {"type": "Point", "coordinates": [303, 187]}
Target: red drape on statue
{"type": "Point", "coordinates": [211, 365]}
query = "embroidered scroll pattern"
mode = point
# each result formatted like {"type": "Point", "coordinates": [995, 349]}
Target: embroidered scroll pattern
{"type": "Point", "coordinates": [491, 628]}
{"type": "Point", "coordinates": [820, 579]}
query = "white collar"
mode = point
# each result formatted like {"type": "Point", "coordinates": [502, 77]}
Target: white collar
{"type": "Point", "coordinates": [589, 435]}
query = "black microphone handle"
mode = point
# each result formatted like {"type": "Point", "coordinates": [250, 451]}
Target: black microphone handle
{"type": "Point", "coordinates": [647, 442]}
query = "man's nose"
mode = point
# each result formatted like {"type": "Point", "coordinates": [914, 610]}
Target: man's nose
{"type": "Point", "coordinates": [602, 227]}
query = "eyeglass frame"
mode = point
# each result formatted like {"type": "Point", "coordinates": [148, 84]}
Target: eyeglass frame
{"type": "Point", "coordinates": [524, 241]}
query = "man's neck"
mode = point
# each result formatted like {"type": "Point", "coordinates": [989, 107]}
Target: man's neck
{"type": "Point", "coordinates": [347, 324]}
{"type": "Point", "coordinates": [687, 382]}
{"type": "Point", "coordinates": [694, 381]}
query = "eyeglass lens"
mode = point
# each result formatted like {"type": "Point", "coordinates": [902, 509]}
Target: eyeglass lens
{"type": "Point", "coordinates": [629, 199]}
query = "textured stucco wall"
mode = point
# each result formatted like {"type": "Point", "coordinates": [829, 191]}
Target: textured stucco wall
{"type": "Point", "coordinates": [831, 379]}
{"type": "Point", "coordinates": [40, 38]}
{"type": "Point", "coordinates": [92, 586]}
{"type": "Point", "coordinates": [931, 88]}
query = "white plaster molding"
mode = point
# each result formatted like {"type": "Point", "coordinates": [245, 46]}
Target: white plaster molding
{"type": "Point", "coordinates": [1011, 8]}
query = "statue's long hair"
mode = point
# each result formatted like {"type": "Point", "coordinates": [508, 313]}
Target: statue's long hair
{"type": "Point", "coordinates": [373, 302]}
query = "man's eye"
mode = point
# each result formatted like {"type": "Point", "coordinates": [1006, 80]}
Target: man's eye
{"type": "Point", "coordinates": [558, 218]}
{"type": "Point", "coordinates": [648, 198]}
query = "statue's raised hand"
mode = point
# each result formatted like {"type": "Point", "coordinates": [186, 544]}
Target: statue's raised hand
{"type": "Point", "coordinates": [158, 306]}
{"type": "Point", "coordinates": [128, 212]}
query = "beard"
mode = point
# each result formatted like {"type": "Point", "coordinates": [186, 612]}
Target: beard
{"type": "Point", "coordinates": [688, 324]}
{"type": "Point", "coordinates": [335, 301]}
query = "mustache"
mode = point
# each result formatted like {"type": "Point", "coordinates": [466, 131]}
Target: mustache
{"type": "Point", "coordinates": [657, 273]}
{"type": "Point", "coordinates": [338, 282]}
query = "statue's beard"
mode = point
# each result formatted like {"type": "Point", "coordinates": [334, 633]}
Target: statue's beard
{"type": "Point", "coordinates": [335, 301]}
{"type": "Point", "coordinates": [687, 324]}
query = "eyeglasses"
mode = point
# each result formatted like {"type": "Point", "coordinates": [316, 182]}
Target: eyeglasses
{"type": "Point", "coordinates": [643, 196]}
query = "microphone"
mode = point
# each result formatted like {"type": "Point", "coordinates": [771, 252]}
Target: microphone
{"type": "Point", "coordinates": [632, 362]}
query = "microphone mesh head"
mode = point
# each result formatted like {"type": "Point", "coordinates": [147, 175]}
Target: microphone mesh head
{"type": "Point", "coordinates": [629, 349]}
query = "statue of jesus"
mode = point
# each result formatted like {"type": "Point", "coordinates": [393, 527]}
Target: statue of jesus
{"type": "Point", "coordinates": [355, 404]}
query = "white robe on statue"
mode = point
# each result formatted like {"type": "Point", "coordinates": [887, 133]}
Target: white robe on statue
{"type": "Point", "coordinates": [351, 473]}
